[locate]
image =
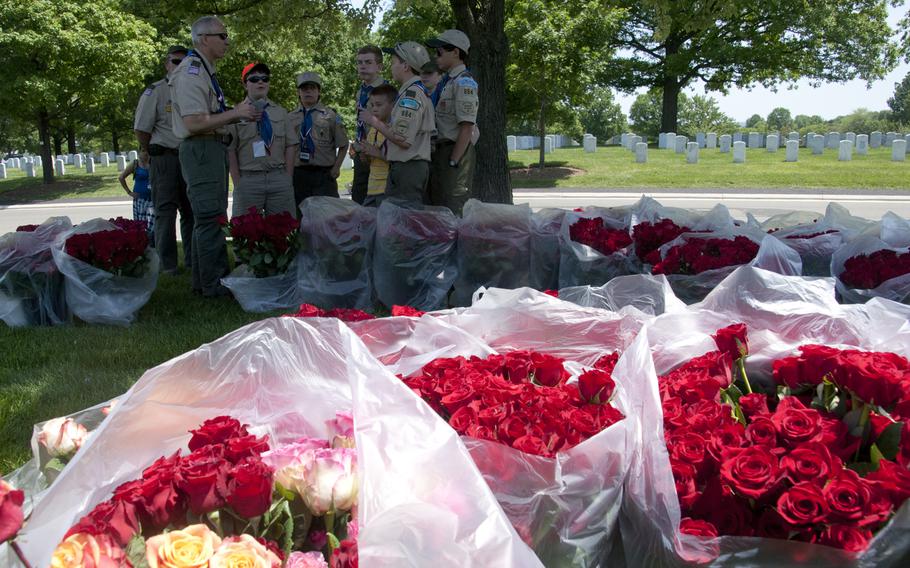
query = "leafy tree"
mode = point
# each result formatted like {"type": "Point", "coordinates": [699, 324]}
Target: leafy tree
{"type": "Point", "coordinates": [702, 114]}
{"type": "Point", "coordinates": [753, 120]}
{"type": "Point", "coordinates": [415, 20]}
{"type": "Point", "coordinates": [779, 119]}
{"type": "Point", "coordinates": [802, 121]}
{"type": "Point", "coordinates": [602, 116]}
{"type": "Point", "coordinates": [644, 114]}
{"type": "Point", "coordinates": [899, 103]}
{"type": "Point", "coordinates": [669, 44]}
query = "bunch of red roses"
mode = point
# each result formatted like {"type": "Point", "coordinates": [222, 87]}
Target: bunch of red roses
{"type": "Point", "coordinates": [648, 238]}
{"type": "Point", "coordinates": [595, 234]}
{"type": "Point", "coordinates": [700, 254]}
{"type": "Point", "coordinates": [812, 235]}
{"type": "Point", "coordinates": [868, 271]}
{"type": "Point", "coordinates": [350, 314]}
{"type": "Point", "coordinates": [120, 251]}
{"type": "Point", "coordinates": [265, 243]}
{"type": "Point", "coordinates": [786, 465]}
{"type": "Point", "coordinates": [26, 228]}
{"type": "Point", "coordinates": [520, 399]}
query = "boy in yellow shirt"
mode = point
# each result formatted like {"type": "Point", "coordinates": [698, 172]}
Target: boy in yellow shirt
{"type": "Point", "coordinates": [382, 100]}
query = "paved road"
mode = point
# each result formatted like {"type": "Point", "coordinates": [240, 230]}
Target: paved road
{"type": "Point", "coordinates": [761, 203]}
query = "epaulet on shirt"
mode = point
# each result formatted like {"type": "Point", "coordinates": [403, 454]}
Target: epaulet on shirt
{"type": "Point", "coordinates": [410, 93]}
{"type": "Point", "coordinates": [193, 67]}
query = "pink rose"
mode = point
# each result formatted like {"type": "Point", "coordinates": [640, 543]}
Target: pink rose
{"type": "Point", "coordinates": [306, 560]}
{"type": "Point", "coordinates": [329, 481]}
{"type": "Point", "coordinates": [62, 436]}
{"type": "Point", "coordinates": [10, 511]}
{"type": "Point", "coordinates": [83, 550]}
{"type": "Point", "coordinates": [286, 460]}
{"type": "Point", "coordinates": [342, 430]}
{"type": "Point", "coordinates": [243, 550]}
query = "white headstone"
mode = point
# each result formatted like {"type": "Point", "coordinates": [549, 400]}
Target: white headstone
{"type": "Point", "coordinates": [90, 165]}
{"type": "Point", "coordinates": [641, 152]}
{"type": "Point", "coordinates": [737, 137]}
{"type": "Point", "coordinates": [700, 139]}
{"type": "Point", "coordinates": [121, 163]}
{"type": "Point", "coordinates": [725, 141]}
{"type": "Point", "coordinates": [661, 141]}
{"type": "Point", "coordinates": [133, 155]}
{"type": "Point", "coordinates": [875, 139]}
{"type": "Point", "coordinates": [511, 143]}
{"type": "Point", "coordinates": [547, 145]}
{"type": "Point", "coordinates": [793, 136]}
{"type": "Point", "coordinates": [754, 140]}
{"type": "Point", "coordinates": [889, 138]}
{"type": "Point", "coordinates": [60, 167]}
{"type": "Point", "coordinates": [633, 140]}
{"type": "Point", "coordinates": [792, 151]}
{"type": "Point", "coordinates": [772, 144]}
{"type": "Point", "coordinates": [681, 142]}
{"type": "Point", "coordinates": [739, 152]}
{"type": "Point", "coordinates": [30, 170]}
{"type": "Point", "coordinates": [77, 160]}
{"type": "Point", "coordinates": [105, 160]}
{"type": "Point", "coordinates": [845, 151]}
{"type": "Point", "coordinates": [590, 143]}
{"type": "Point", "coordinates": [818, 144]}
{"type": "Point", "coordinates": [2, 170]}
{"type": "Point", "coordinates": [624, 140]}
{"type": "Point", "coordinates": [862, 144]}
{"type": "Point", "coordinates": [671, 141]}
{"type": "Point", "coordinates": [851, 136]}
{"type": "Point", "coordinates": [692, 152]}
{"type": "Point", "coordinates": [711, 141]}
{"type": "Point", "coordinates": [899, 150]}
{"type": "Point", "coordinates": [833, 140]}
{"type": "Point", "coordinates": [17, 163]}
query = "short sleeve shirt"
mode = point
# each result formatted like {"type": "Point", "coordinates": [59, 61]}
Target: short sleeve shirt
{"type": "Point", "coordinates": [153, 114]}
{"type": "Point", "coordinates": [328, 134]}
{"type": "Point", "coordinates": [191, 91]}
{"type": "Point", "coordinates": [414, 119]}
{"type": "Point", "coordinates": [246, 135]}
{"type": "Point", "coordinates": [458, 103]}
{"type": "Point", "coordinates": [379, 168]}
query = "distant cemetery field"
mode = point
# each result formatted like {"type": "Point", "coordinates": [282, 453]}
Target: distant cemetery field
{"type": "Point", "coordinates": [616, 167]}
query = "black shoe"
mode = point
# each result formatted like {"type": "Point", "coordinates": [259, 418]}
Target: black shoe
{"type": "Point", "coordinates": [218, 292]}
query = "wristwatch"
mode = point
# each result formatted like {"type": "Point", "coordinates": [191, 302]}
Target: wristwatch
{"type": "Point", "coordinates": [453, 164]}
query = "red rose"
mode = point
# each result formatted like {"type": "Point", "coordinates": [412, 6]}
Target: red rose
{"type": "Point", "coordinates": [116, 519]}
{"type": "Point", "coordinates": [200, 475]}
{"type": "Point", "coordinates": [688, 447]}
{"type": "Point", "coordinates": [836, 436]}
{"type": "Point", "coordinates": [517, 366]}
{"type": "Point", "coordinates": [697, 527]}
{"type": "Point", "coordinates": [10, 511]}
{"type": "Point", "coordinates": [728, 437]}
{"type": "Point", "coordinates": [753, 472]}
{"type": "Point", "coordinates": [162, 502]}
{"type": "Point", "coordinates": [848, 496]}
{"type": "Point", "coordinates": [893, 480]}
{"type": "Point", "coordinates": [236, 449]}
{"type": "Point", "coordinates": [249, 488]}
{"type": "Point", "coordinates": [810, 462]}
{"type": "Point", "coordinates": [532, 445]}
{"type": "Point", "coordinates": [345, 556]}
{"type": "Point", "coordinates": [684, 474]}
{"type": "Point", "coordinates": [706, 416]}
{"type": "Point", "coordinates": [406, 311]}
{"type": "Point", "coordinates": [463, 418]}
{"type": "Point", "coordinates": [596, 386]}
{"type": "Point", "coordinates": [548, 370]}
{"type": "Point", "coordinates": [216, 431]}
{"type": "Point", "coordinates": [732, 340]}
{"type": "Point", "coordinates": [803, 505]}
{"type": "Point", "coordinates": [607, 362]}
{"type": "Point", "coordinates": [795, 423]}
{"type": "Point", "coordinates": [847, 537]}
{"type": "Point", "coordinates": [674, 416]}
{"type": "Point", "coordinates": [762, 432]}
{"type": "Point", "coordinates": [754, 404]}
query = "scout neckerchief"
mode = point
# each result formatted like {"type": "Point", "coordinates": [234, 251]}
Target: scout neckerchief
{"type": "Point", "coordinates": [442, 85]}
{"type": "Point", "coordinates": [264, 127]}
{"type": "Point", "coordinates": [363, 97]}
{"type": "Point", "coordinates": [219, 94]}
{"type": "Point", "coordinates": [306, 129]}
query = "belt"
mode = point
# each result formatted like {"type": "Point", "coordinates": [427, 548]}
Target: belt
{"type": "Point", "coordinates": [159, 150]}
{"type": "Point", "coordinates": [314, 168]}
{"type": "Point", "coordinates": [223, 138]}
{"type": "Point", "coordinates": [261, 172]}
{"type": "Point", "coordinates": [443, 142]}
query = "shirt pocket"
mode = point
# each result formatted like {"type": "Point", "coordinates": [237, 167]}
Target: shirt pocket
{"type": "Point", "coordinates": [322, 131]}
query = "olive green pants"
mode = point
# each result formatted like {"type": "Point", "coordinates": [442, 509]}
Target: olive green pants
{"type": "Point", "coordinates": [204, 166]}
{"type": "Point", "coordinates": [451, 186]}
{"type": "Point", "coordinates": [169, 196]}
{"type": "Point", "coordinates": [270, 191]}
{"type": "Point", "coordinates": [408, 181]}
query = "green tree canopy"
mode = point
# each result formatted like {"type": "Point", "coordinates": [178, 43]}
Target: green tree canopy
{"type": "Point", "coordinates": [899, 103]}
{"type": "Point", "coordinates": [602, 116]}
{"type": "Point", "coordinates": [779, 119]}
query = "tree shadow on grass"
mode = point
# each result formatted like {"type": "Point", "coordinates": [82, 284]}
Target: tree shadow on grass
{"type": "Point", "coordinates": [33, 190]}
{"type": "Point", "coordinates": [533, 176]}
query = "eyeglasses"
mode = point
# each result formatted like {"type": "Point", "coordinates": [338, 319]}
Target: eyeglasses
{"type": "Point", "coordinates": [176, 60]}
{"type": "Point", "coordinates": [440, 50]}
{"type": "Point", "coordinates": [258, 78]}
{"type": "Point", "coordinates": [223, 36]}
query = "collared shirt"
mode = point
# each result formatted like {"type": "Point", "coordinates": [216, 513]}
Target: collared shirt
{"type": "Point", "coordinates": [246, 137]}
{"type": "Point", "coordinates": [192, 91]}
{"type": "Point", "coordinates": [457, 103]}
{"type": "Point", "coordinates": [363, 95]}
{"type": "Point", "coordinates": [379, 167]}
{"type": "Point", "coordinates": [327, 131]}
{"type": "Point", "coordinates": [153, 115]}
{"type": "Point", "coordinates": [413, 118]}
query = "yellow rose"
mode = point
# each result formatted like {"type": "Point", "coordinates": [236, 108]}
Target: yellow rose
{"type": "Point", "coordinates": [243, 551]}
{"type": "Point", "coordinates": [84, 550]}
{"type": "Point", "coordinates": [191, 547]}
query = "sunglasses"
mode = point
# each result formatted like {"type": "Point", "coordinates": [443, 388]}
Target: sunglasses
{"type": "Point", "coordinates": [440, 50]}
{"type": "Point", "coordinates": [176, 60]}
{"type": "Point", "coordinates": [223, 36]}
{"type": "Point", "coordinates": [258, 78]}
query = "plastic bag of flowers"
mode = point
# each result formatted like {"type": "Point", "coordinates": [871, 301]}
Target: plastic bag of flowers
{"type": "Point", "coordinates": [541, 396]}
{"type": "Point", "coordinates": [545, 228]}
{"type": "Point", "coordinates": [816, 238]}
{"type": "Point", "coordinates": [649, 294]}
{"type": "Point", "coordinates": [285, 430]}
{"type": "Point", "coordinates": [335, 263]}
{"type": "Point", "coordinates": [494, 248]}
{"type": "Point", "coordinates": [595, 247]}
{"type": "Point", "coordinates": [110, 270]}
{"type": "Point", "coordinates": [31, 287]}
{"type": "Point", "coordinates": [875, 264]}
{"type": "Point", "coordinates": [414, 257]}
{"type": "Point", "coordinates": [770, 434]}
{"type": "Point", "coordinates": [265, 248]}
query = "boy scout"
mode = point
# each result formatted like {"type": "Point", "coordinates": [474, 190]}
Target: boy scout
{"type": "Point", "coordinates": [456, 114]}
{"type": "Point", "coordinates": [322, 140]}
{"type": "Point", "coordinates": [199, 116]}
{"type": "Point", "coordinates": [369, 69]}
{"type": "Point", "coordinates": [153, 131]}
{"type": "Point", "coordinates": [261, 154]}
{"type": "Point", "coordinates": [411, 127]}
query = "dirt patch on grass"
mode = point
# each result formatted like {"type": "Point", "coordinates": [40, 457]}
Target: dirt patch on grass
{"type": "Point", "coordinates": [549, 172]}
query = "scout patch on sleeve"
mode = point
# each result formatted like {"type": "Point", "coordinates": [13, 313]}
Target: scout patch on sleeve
{"type": "Point", "coordinates": [194, 67]}
{"type": "Point", "coordinates": [401, 127]}
{"type": "Point", "coordinates": [466, 82]}
{"type": "Point", "coordinates": [410, 103]}
{"type": "Point", "coordinates": [410, 93]}
{"type": "Point", "coordinates": [148, 92]}
{"type": "Point", "coordinates": [467, 108]}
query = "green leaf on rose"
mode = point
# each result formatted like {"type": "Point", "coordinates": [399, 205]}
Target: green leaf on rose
{"type": "Point", "coordinates": [135, 552]}
{"type": "Point", "coordinates": [876, 455]}
{"type": "Point", "coordinates": [862, 468]}
{"type": "Point", "coordinates": [889, 442]}
{"type": "Point", "coordinates": [332, 541]}
{"type": "Point", "coordinates": [55, 464]}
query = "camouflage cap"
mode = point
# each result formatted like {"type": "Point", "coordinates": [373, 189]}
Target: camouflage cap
{"type": "Point", "coordinates": [309, 77]}
{"type": "Point", "coordinates": [411, 52]}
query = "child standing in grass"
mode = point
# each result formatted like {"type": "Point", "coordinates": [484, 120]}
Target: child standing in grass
{"type": "Point", "coordinates": [382, 99]}
{"type": "Point", "coordinates": [141, 192]}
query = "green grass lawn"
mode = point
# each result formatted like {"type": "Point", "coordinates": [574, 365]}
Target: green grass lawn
{"type": "Point", "coordinates": [616, 168]}
{"type": "Point", "coordinates": [17, 188]}
{"type": "Point", "coordinates": [47, 372]}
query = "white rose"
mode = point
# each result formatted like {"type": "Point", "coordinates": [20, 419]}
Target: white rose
{"type": "Point", "coordinates": [62, 436]}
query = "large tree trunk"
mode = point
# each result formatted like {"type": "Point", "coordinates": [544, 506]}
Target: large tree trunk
{"type": "Point", "coordinates": [44, 134]}
{"type": "Point", "coordinates": [542, 130]}
{"type": "Point", "coordinates": [115, 140]}
{"type": "Point", "coordinates": [484, 22]}
{"type": "Point", "coordinates": [70, 138]}
{"type": "Point", "coordinates": [58, 141]}
{"type": "Point", "coordinates": [670, 105]}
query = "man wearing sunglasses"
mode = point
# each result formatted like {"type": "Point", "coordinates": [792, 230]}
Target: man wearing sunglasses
{"type": "Point", "coordinates": [261, 153]}
{"type": "Point", "coordinates": [456, 115]}
{"type": "Point", "coordinates": [200, 117]}
{"type": "Point", "coordinates": [156, 136]}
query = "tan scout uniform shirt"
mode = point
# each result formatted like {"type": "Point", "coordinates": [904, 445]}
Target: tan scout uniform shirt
{"type": "Point", "coordinates": [457, 103]}
{"type": "Point", "coordinates": [246, 134]}
{"type": "Point", "coordinates": [192, 91]}
{"type": "Point", "coordinates": [153, 115]}
{"type": "Point", "coordinates": [328, 135]}
{"type": "Point", "coordinates": [413, 118]}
